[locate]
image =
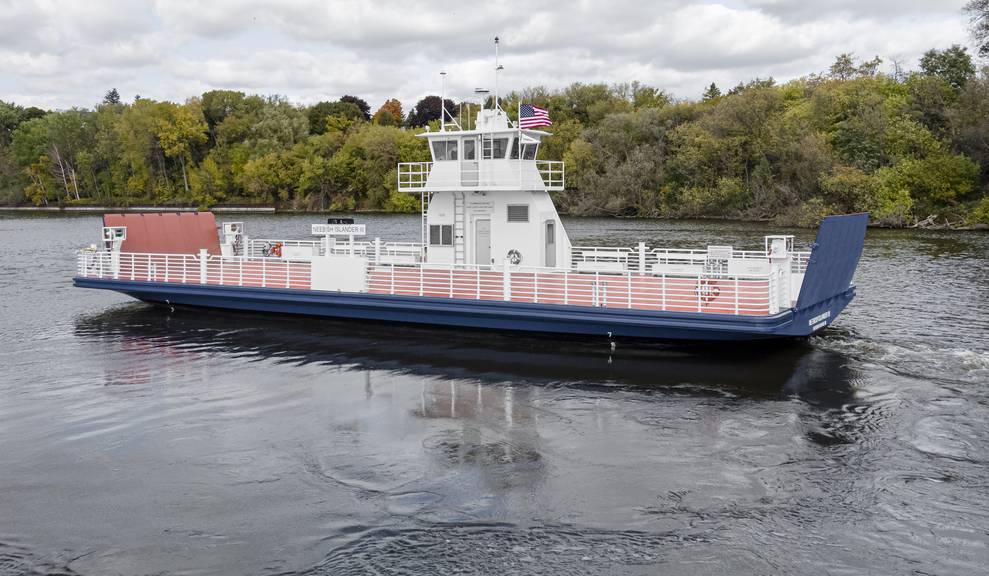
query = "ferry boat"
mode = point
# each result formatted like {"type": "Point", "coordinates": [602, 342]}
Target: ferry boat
{"type": "Point", "coordinates": [493, 254]}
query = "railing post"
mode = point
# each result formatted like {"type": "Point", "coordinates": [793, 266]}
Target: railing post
{"type": "Point", "coordinates": [132, 264]}
{"type": "Point", "coordinates": [288, 269]}
{"type": "Point", "coordinates": [699, 280]}
{"type": "Point", "coordinates": [202, 265]}
{"type": "Point", "coordinates": [662, 279]}
{"type": "Point", "coordinates": [391, 284]}
{"type": "Point", "coordinates": [377, 250]}
{"type": "Point", "coordinates": [506, 281]}
{"type": "Point", "coordinates": [736, 295]}
{"type": "Point", "coordinates": [642, 258]}
{"type": "Point", "coordinates": [477, 283]}
{"type": "Point", "coordinates": [566, 287]}
{"type": "Point", "coordinates": [264, 272]}
{"type": "Point", "coordinates": [629, 292]}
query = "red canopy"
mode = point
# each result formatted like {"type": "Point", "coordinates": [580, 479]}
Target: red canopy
{"type": "Point", "coordinates": [167, 232]}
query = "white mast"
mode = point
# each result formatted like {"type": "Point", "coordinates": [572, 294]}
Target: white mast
{"type": "Point", "coordinates": [498, 68]}
{"type": "Point", "coordinates": [443, 101]}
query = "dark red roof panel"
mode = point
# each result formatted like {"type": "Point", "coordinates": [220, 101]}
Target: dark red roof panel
{"type": "Point", "coordinates": [167, 232]}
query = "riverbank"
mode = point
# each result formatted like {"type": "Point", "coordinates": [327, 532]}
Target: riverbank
{"type": "Point", "coordinates": [928, 224]}
{"type": "Point", "coordinates": [103, 209]}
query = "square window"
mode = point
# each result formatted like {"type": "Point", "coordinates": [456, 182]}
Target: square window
{"type": "Point", "coordinates": [440, 235]}
{"type": "Point", "coordinates": [518, 213]}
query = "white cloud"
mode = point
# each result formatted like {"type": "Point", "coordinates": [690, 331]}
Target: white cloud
{"type": "Point", "coordinates": [64, 53]}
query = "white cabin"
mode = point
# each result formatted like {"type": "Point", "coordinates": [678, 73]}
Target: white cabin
{"type": "Point", "coordinates": [486, 199]}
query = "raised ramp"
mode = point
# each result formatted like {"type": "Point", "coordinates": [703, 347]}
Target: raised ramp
{"type": "Point", "coordinates": [833, 259]}
{"type": "Point", "coordinates": [167, 232]}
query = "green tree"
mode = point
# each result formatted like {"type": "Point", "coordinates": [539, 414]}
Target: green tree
{"type": "Point", "coordinates": [180, 130]}
{"type": "Point", "coordinates": [953, 65]}
{"type": "Point", "coordinates": [711, 93]}
{"type": "Point", "coordinates": [429, 109]}
{"type": "Point", "coordinates": [112, 97]}
{"type": "Point", "coordinates": [361, 104]}
{"type": "Point", "coordinates": [319, 114]}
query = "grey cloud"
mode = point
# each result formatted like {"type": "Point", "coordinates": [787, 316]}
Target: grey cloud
{"type": "Point", "coordinates": [311, 50]}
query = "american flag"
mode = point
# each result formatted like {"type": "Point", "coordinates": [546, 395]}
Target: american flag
{"type": "Point", "coordinates": [531, 116]}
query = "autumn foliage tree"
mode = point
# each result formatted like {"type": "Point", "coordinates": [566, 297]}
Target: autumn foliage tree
{"type": "Point", "coordinates": [390, 113]}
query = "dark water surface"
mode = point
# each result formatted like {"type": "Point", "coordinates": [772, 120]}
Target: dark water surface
{"type": "Point", "coordinates": [134, 441]}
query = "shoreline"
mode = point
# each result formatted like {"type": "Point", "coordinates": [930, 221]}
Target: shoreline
{"type": "Point", "coordinates": [103, 209]}
{"type": "Point", "coordinates": [275, 210]}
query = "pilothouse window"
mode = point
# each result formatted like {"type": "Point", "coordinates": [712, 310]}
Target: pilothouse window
{"type": "Point", "coordinates": [444, 150]}
{"type": "Point", "coordinates": [528, 151]}
{"type": "Point", "coordinates": [500, 147]}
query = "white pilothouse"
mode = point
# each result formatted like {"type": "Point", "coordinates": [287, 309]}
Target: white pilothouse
{"type": "Point", "coordinates": [485, 196]}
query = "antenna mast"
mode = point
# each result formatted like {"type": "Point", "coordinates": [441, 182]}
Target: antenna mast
{"type": "Point", "coordinates": [443, 101]}
{"type": "Point", "coordinates": [498, 68]}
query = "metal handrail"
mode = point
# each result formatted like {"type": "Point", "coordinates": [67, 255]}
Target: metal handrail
{"type": "Point", "coordinates": [482, 175]}
{"type": "Point", "coordinates": [709, 292]}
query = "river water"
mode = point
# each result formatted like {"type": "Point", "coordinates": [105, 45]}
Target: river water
{"type": "Point", "coordinates": [138, 441]}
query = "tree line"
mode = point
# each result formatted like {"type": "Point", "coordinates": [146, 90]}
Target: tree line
{"type": "Point", "coordinates": [902, 145]}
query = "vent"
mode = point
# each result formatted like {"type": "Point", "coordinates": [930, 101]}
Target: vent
{"type": "Point", "coordinates": [518, 213]}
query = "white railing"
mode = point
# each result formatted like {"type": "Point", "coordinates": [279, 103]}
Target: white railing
{"type": "Point", "coordinates": [718, 293]}
{"type": "Point", "coordinates": [481, 175]}
{"type": "Point", "coordinates": [710, 293]}
{"type": "Point", "coordinates": [193, 269]}
{"type": "Point", "coordinates": [798, 265]}
{"type": "Point", "coordinates": [642, 259]}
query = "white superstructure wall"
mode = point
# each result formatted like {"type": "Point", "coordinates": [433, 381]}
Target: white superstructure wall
{"type": "Point", "coordinates": [517, 222]}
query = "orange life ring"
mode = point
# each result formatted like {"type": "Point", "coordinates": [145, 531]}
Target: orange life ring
{"type": "Point", "coordinates": [707, 290]}
{"type": "Point", "coordinates": [272, 250]}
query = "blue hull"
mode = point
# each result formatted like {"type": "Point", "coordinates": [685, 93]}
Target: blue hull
{"type": "Point", "coordinates": [484, 314]}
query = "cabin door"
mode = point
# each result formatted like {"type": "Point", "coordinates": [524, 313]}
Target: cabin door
{"type": "Point", "coordinates": [550, 258]}
{"type": "Point", "coordinates": [482, 242]}
{"type": "Point", "coordinates": [469, 168]}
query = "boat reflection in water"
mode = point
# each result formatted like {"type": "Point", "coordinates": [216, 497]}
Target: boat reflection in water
{"type": "Point", "coordinates": [394, 440]}
{"type": "Point", "coordinates": [795, 369]}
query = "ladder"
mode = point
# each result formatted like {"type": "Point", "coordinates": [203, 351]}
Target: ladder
{"type": "Point", "coordinates": [458, 227]}
{"type": "Point", "coordinates": [487, 146]}
{"type": "Point", "coordinates": [424, 199]}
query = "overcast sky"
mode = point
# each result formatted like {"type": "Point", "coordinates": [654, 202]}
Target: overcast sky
{"type": "Point", "coordinates": [59, 54]}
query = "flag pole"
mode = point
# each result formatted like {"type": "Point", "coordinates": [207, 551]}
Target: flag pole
{"type": "Point", "coordinates": [518, 123]}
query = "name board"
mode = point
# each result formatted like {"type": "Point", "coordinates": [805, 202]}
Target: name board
{"type": "Point", "coordinates": [338, 229]}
